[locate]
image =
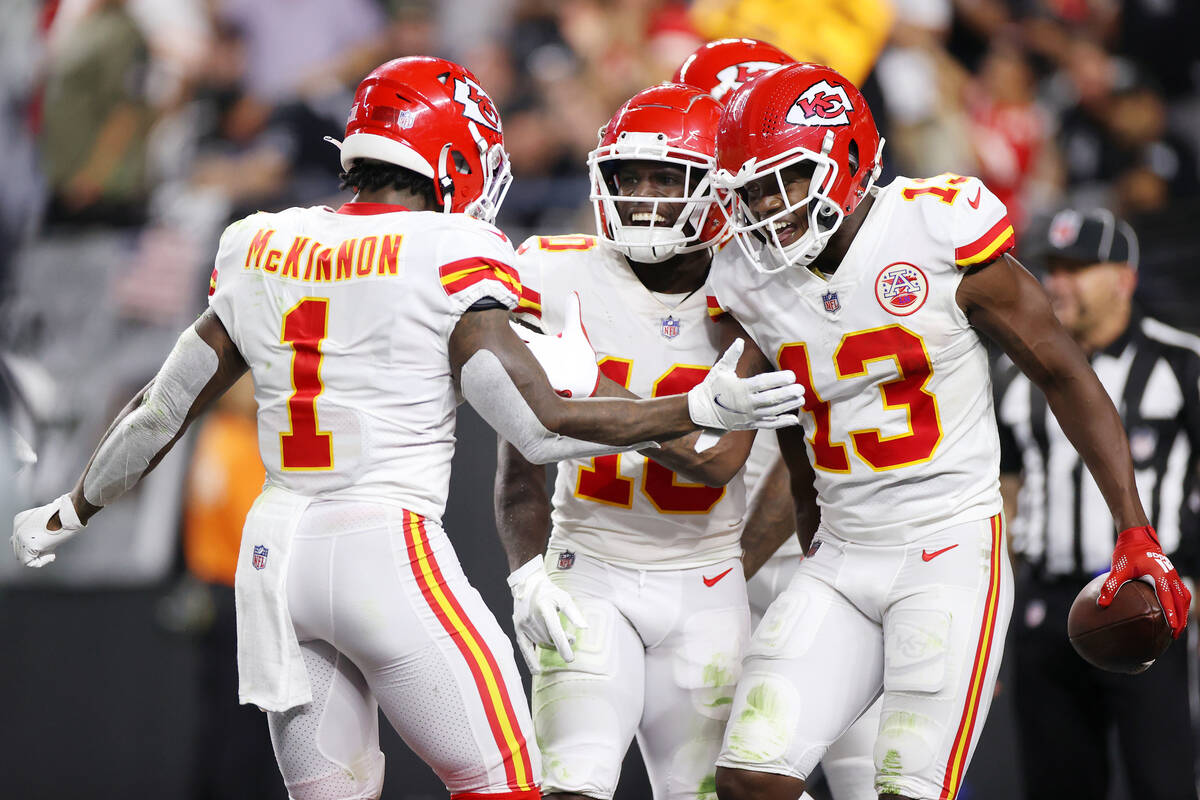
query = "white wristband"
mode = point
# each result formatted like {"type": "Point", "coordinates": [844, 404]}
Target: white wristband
{"type": "Point", "coordinates": [67, 514]}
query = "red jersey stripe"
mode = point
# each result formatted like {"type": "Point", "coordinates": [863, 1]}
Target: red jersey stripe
{"type": "Point", "coordinates": [458, 275]}
{"type": "Point", "coordinates": [997, 240]}
{"type": "Point", "coordinates": [530, 302]}
{"type": "Point", "coordinates": [714, 307]}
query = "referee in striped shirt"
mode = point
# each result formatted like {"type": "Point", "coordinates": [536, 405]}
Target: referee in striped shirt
{"type": "Point", "coordinates": [1064, 534]}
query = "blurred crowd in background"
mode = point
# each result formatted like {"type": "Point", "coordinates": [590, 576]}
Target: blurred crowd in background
{"type": "Point", "coordinates": [135, 130]}
{"type": "Point", "coordinates": [166, 119]}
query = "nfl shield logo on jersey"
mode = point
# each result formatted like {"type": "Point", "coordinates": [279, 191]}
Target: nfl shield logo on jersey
{"type": "Point", "coordinates": [670, 327]}
{"type": "Point", "coordinates": [260, 556]}
{"type": "Point", "coordinates": [566, 559]}
{"type": "Point", "coordinates": [830, 299]}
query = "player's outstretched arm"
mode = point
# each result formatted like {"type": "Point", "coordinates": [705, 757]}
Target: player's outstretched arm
{"type": "Point", "coordinates": [569, 363]}
{"type": "Point", "coordinates": [718, 464]}
{"type": "Point", "coordinates": [1009, 305]}
{"type": "Point", "coordinates": [522, 508]}
{"type": "Point", "coordinates": [714, 466]}
{"type": "Point", "coordinates": [504, 382]}
{"type": "Point", "coordinates": [202, 366]}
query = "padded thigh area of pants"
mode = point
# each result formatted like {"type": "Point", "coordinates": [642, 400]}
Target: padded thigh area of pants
{"type": "Point", "coordinates": [604, 687]}
{"type": "Point", "coordinates": [329, 749]}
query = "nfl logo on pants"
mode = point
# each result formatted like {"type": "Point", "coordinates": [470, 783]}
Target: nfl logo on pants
{"type": "Point", "coordinates": [260, 556]}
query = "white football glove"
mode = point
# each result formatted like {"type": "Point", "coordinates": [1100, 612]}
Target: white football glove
{"type": "Point", "coordinates": [32, 542]}
{"type": "Point", "coordinates": [537, 602]}
{"type": "Point", "coordinates": [568, 358]}
{"type": "Point", "coordinates": [725, 402]}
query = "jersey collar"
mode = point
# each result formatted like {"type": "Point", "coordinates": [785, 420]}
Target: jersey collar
{"type": "Point", "coordinates": [364, 209]}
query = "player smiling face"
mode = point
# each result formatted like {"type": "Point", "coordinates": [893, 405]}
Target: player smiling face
{"type": "Point", "coordinates": [651, 175]}
{"type": "Point", "coordinates": [647, 184]}
{"type": "Point", "coordinates": [779, 197]}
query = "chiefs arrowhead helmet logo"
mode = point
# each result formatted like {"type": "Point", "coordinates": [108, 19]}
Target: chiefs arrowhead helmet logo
{"type": "Point", "coordinates": [821, 104]}
{"type": "Point", "coordinates": [477, 106]}
{"type": "Point", "coordinates": [733, 76]}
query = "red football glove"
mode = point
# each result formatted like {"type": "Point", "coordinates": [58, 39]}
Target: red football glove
{"type": "Point", "coordinates": [1139, 556]}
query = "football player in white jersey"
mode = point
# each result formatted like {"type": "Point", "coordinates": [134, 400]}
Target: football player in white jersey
{"type": "Point", "coordinates": [720, 67]}
{"type": "Point", "coordinates": [876, 299]}
{"type": "Point", "coordinates": [360, 325]}
{"type": "Point", "coordinates": [643, 554]}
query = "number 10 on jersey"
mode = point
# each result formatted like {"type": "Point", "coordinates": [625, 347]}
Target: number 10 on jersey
{"type": "Point", "coordinates": [303, 446]}
{"type": "Point", "coordinates": [602, 482]}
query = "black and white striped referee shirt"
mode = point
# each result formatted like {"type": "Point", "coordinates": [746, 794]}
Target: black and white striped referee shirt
{"type": "Point", "coordinates": [1063, 526]}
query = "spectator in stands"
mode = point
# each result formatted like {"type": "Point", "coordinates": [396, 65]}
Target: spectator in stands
{"type": "Point", "coordinates": [96, 119]}
{"type": "Point", "coordinates": [1010, 133]}
{"type": "Point", "coordinates": [1157, 164]}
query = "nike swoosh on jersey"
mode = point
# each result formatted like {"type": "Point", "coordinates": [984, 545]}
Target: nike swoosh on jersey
{"type": "Point", "coordinates": [713, 580]}
{"type": "Point", "coordinates": [975, 203]}
{"type": "Point", "coordinates": [928, 556]}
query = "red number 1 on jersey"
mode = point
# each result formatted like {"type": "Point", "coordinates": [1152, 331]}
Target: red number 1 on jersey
{"type": "Point", "coordinates": [304, 447]}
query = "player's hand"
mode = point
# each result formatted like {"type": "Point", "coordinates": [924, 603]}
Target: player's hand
{"type": "Point", "coordinates": [568, 358]}
{"type": "Point", "coordinates": [33, 542]}
{"type": "Point", "coordinates": [537, 603]}
{"type": "Point", "coordinates": [725, 402]}
{"type": "Point", "coordinates": [1138, 556]}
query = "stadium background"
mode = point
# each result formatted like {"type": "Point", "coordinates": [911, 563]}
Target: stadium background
{"type": "Point", "coordinates": [132, 132]}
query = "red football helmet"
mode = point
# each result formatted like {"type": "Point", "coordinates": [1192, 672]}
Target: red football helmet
{"type": "Point", "coordinates": [674, 124]}
{"type": "Point", "coordinates": [431, 116]}
{"type": "Point", "coordinates": [796, 114]}
{"type": "Point", "coordinates": [723, 65]}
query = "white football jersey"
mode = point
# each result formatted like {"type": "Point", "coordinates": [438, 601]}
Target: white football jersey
{"type": "Point", "coordinates": [900, 427]}
{"type": "Point", "coordinates": [627, 509]}
{"type": "Point", "coordinates": [344, 318]}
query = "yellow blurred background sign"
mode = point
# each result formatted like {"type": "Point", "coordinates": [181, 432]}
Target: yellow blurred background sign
{"type": "Point", "coordinates": [847, 35]}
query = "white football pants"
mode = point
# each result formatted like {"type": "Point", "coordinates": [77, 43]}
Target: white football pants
{"type": "Point", "coordinates": [922, 623]}
{"type": "Point", "coordinates": [385, 616]}
{"type": "Point", "coordinates": [659, 658]}
{"type": "Point", "coordinates": [849, 763]}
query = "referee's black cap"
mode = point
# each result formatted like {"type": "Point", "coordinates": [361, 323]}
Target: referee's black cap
{"type": "Point", "coordinates": [1091, 237]}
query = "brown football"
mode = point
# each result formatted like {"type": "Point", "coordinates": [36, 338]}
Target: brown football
{"type": "Point", "coordinates": [1125, 637]}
